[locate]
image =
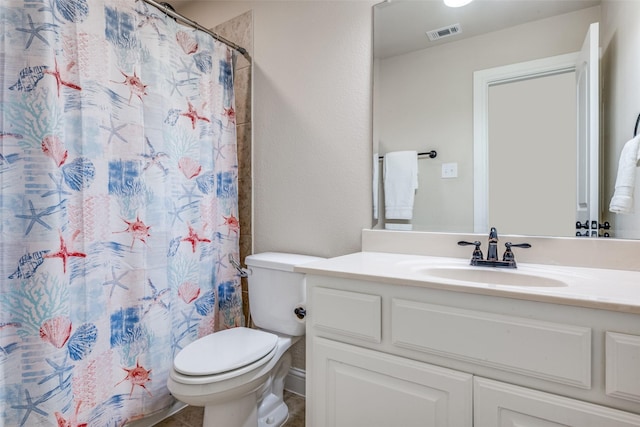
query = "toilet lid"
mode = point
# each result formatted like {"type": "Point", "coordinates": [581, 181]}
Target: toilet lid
{"type": "Point", "coordinates": [224, 351]}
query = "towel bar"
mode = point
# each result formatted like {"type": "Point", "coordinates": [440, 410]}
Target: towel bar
{"type": "Point", "coordinates": [635, 129]}
{"type": "Point", "coordinates": [432, 154]}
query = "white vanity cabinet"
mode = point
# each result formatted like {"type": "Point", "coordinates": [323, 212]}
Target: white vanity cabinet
{"type": "Point", "coordinates": [388, 355]}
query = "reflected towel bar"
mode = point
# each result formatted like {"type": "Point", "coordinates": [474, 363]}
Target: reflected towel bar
{"type": "Point", "coordinates": [432, 155]}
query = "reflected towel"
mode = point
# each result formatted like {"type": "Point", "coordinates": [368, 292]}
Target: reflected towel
{"type": "Point", "coordinates": [622, 200]}
{"type": "Point", "coordinates": [400, 174]}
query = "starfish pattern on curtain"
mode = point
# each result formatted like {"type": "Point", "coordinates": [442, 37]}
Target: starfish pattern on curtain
{"type": "Point", "coordinates": [118, 207]}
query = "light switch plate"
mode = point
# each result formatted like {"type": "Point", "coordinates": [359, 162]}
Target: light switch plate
{"type": "Point", "coordinates": [449, 170]}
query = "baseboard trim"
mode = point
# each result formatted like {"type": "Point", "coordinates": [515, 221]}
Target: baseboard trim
{"type": "Point", "coordinates": [295, 381]}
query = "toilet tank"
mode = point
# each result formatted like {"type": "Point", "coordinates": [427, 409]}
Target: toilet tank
{"type": "Point", "coordinates": [275, 291]}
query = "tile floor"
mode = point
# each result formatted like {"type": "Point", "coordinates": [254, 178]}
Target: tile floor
{"type": "Point", "coordinates": [191, 416]}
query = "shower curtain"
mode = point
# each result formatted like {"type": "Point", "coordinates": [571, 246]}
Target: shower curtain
{"type": "Point", "coordinates": [118, 207]}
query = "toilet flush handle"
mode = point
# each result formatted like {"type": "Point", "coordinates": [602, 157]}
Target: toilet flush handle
{"type": "Point", "coordinates": [243, 272]}
{"type": "Point", "coordinates": [301, 312]}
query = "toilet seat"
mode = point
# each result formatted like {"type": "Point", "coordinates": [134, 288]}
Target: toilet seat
{"type": "Point", "coordinates": [231, 352]}
{"type": "Point", "coordinates": [210, 379]}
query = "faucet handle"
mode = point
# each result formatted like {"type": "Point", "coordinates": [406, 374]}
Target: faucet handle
{"type": "Point", "coordinates": [508, 253]}
{"type": "Point", "coordinates": [517, 245]}
{"type": "Point", "coordinates": [477, 253]}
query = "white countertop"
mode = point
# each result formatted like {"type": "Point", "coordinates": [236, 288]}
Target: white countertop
{"type": "Point", "coordinates": [615, 290]}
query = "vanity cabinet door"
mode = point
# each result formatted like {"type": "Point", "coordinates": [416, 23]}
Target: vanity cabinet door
{"type": "Point", "coordinates": [357, 387]}
{"type": "Point", "coordinates": [498, 404]}
{"type": "Point", "coordinates": [623, 366]}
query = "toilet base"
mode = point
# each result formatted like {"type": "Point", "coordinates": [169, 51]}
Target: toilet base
{"type": "Point", "coordinates": [277, 414]}
{"type": "Point", "coordinates": [241, 412]}
{"type": "Point", "coordinates": [272, 411]}
{"type": "Point", "coordinates": [262, 407]}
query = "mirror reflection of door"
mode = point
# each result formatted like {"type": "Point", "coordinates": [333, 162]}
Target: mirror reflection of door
{"type": "Point", "coordinates": [536, 113]}
{"type": "Point", "coordinates": [532, 133]}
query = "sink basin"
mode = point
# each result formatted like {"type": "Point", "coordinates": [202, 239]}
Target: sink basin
{"type": "Point", "coordinates": [491, 276]}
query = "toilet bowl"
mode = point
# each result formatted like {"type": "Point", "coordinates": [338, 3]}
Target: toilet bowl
{"type": "Point", "coordinates": [238, 374]}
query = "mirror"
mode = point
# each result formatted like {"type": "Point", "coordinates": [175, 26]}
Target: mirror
{"type": "Point", "coordinates": [423, 98]}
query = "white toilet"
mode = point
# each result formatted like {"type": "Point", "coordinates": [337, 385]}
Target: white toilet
{"type": "Point", "coordinates": [238, 374]}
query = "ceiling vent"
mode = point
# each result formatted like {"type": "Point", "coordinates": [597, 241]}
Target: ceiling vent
{"type": "Point", "coordinates": [450, 30]}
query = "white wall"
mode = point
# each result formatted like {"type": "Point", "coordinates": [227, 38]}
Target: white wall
{"type": "Point", "coordinates": [426, 102]}
{"type": "Point", "coordinates": [620, 44]}
{"type": "Point", "coordinates": [312, 121]}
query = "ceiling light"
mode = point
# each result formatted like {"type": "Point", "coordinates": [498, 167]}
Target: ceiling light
{"type": "Point", "coordinates": [456, 3]}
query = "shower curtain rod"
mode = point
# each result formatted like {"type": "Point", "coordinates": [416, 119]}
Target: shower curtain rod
{"type": "Point", "coordinates": [168, 10]}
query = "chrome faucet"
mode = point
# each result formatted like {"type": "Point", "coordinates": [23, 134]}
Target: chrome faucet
{"type": "Point", "coordinates": [508, 259]}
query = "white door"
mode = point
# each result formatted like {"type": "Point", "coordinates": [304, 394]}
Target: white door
{"type": "Point", "coordinates": [357, 387]}
{"type": "Point", "coordinates": [585, 65]}
{"type": "Point", "coordinates": [498, 404]}
{"type": "Point", "coordinates": [510, 76]}
{"type": "Point", "coordinates": [532, 152]}
{"type": "Point", "coordinates": [588, 101]}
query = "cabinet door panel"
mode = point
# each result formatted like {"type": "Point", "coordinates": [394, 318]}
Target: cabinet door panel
{"type": "Point", "coordinates": [498, 404]}
{"type": "Point", "coordinates": [623, 366]}
{"type": "Point", "coordinates": [358, 387]}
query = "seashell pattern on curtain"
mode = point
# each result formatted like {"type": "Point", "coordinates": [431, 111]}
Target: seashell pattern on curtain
{"type": "Point", "coordinates": [118, 207]}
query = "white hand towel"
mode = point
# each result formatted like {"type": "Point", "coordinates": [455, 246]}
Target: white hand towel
{"type": "Point", "coordinates": [376, 172]}
{"type": "Point", "coordinates": [400, 176]}
{"type": "Point", "coordinates": [622, 200]}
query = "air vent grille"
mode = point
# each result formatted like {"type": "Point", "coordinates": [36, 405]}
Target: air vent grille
{"type": "Point", "coordinates": [450, 30]}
